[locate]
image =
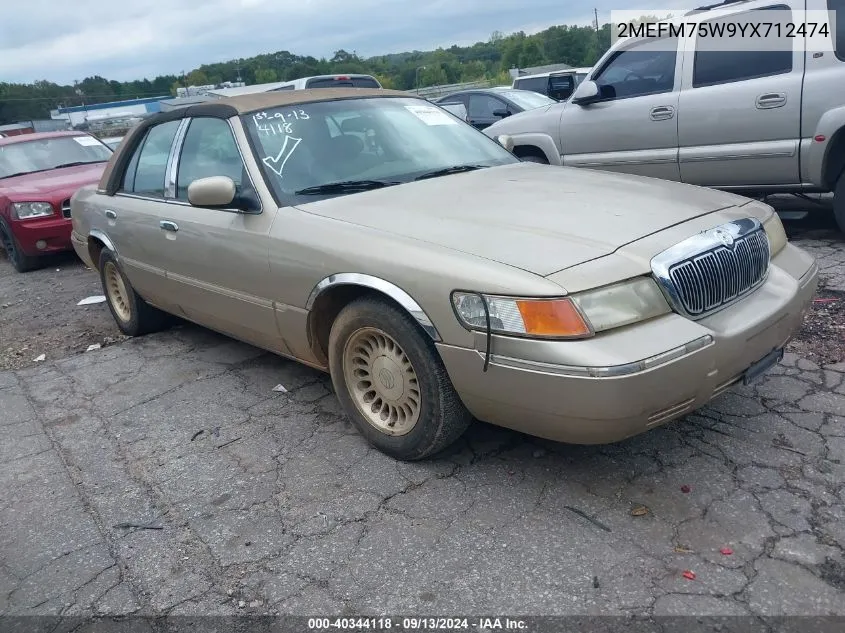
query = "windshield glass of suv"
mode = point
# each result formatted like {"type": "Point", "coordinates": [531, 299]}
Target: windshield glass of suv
{"type": "Point", "coordinates": [528, 100]}
{"type": "Point", "coordinates": [50, 153]}
{"type": "Point", "coordinates": [389, 140]}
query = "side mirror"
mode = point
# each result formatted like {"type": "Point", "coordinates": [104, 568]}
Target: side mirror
{"type": "Point", "coordinates": [586, 93]}
{"type": "Point", "coordinates": [502, 113]}
{"type": "Point", "coordinates": [505, 141]}
{"type": "Point", "coordinates": [214, 191]}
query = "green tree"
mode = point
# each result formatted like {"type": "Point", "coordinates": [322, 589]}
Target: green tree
{"type": "Point", "coordinates": [197, 78]}
{"type": "Point", "coordinates": [265, 76]}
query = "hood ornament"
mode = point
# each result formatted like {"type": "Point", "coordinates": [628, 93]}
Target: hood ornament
{"type": "Point", "coordinates": [724, 237]}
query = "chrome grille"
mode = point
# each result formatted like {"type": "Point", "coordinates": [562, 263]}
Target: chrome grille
{"type": "Point", "coordinates": [713, 269]}
{"type": "Point", "coordinates": [66, 208]}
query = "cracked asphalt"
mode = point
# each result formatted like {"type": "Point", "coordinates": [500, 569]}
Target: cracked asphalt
{"type": "Point", "coordinates": [163, 475]}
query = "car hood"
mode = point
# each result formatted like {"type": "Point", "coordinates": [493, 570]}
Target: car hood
{"type": "Point", "coordinates": [62, 181]}
{"type": "Point", "coordinates": [538, 218]}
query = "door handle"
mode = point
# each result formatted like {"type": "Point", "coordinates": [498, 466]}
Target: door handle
{"type": "Point", "coordinates": [771, 100]}
{"type": "Point", "coordinates": [111, 215]}
{"type": "Point", "coordinates": [167, 225]}
{"type": "Point", "coordinates": [661, 113]}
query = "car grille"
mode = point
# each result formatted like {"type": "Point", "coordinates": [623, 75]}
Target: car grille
{"type": "Point", "coordinates": [66, 208]}
{"type": "Point", "coordinates": [713, 269]}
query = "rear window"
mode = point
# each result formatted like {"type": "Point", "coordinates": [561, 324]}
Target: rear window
{"type": "Point", "coordinates": [352, 82]}
{"type": "Point", "coordinates": [537, 84]}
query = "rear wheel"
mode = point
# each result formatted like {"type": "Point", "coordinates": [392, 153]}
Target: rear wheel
{"type": "Point", "coordinates": [22, 262]}
{"type": "Point", "coordinates": [839, 202]}
{"type": "Point", "coordinates": [534, 158]}
{"type": "Point", "coordinates": [392, 383]}
{"type": "Point", "coordinates": [133, 315]}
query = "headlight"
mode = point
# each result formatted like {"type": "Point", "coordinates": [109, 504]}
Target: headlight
{"type": "Point", "coordinates": [579, 316]}
{"type": "Point", "coordinates": [776, 233]}
{"type": "Point", "coordinates": [542, 318]}
{"type": "Point", "coordinates": [622, 303]}
{"type": "Point", "coordinates": [26, 210]}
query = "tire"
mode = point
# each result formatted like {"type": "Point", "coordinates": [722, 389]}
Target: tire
{"type": "Point", "coordinates": [533, 158]}
{"type": "Point", "coordinates": [133, 315]}
{"type": "Point", "coordinates": [23, 263]}
{"type": "Point", "coordinates": [371, 338]}
{"type": "Point", "coordinates": [839, 202]}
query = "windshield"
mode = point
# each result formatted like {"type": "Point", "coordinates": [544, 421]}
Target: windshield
{"type": "Point", "coordinates": [528, 100]}
{"type": "Point", "coordinates": [390, 140]}
{"type": "Point", "coordinates": [50, 153]}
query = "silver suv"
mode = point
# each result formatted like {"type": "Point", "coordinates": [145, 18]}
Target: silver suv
{"type": "Point", "coordinates": [752, 121]}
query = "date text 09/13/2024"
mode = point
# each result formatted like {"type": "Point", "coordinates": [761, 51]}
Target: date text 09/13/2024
{"type": "Point", "coordinates": [417, 624]}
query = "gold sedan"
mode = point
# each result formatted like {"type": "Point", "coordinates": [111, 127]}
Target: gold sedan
{"type": "Point", "coordinates": [373, 235]}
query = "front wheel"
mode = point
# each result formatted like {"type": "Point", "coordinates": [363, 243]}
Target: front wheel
{"type": "Point", "coordinates": [392, 383]}
{"type": "Point", "coordinates": [133, 315]}
{"type": "Point", "coordinates": [839, 202]}
{"type": "Point", "coordinates": [23, 263]}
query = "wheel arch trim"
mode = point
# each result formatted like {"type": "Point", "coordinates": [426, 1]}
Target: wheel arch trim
{"type": "Point", "coordinates": [98, 234]}
{"type": "Point", "coordinates": [406, 301]}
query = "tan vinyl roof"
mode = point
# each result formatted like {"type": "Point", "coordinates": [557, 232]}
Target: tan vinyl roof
{"type": "Point", "coordinates": [262, 100]}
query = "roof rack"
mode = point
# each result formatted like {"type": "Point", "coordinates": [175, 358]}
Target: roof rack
{"type": "Point", "coordinates": [718, 5]}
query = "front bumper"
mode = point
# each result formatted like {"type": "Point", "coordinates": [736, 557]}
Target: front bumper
{"type": "Point", "coordinates": [54, 232]}
{"type": "Point", "coordinates": [541, 387]}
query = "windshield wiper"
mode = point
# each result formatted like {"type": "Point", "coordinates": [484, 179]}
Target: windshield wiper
{"type": "Point", "coordinates": [77, 163]}
{"type": "Point", "coordinates": [346, 186]}
{"type": "Point", "coordinates": [455, 169]}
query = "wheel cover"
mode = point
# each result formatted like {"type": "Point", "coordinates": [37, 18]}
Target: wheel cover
{"type": "Point", "coordinates": [381, 380]}
{"type": "Point", "coordinates": [116, 292]}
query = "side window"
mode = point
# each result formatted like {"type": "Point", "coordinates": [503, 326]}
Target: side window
{"type": "Point", "coordinates": [837, 8]}
{"type": "Point", "coordinates": [535, 84]}
{"type": "Point", "coordinates": [746, 58]}
{"type": "Point", "coordinates": [209, 150]}
{"type": "Point", "coordinates": [483, 106]}
{"type": "Point", "coordinates": [145, 174]}
{"type": "Point", "coordinates": [561, 86]}
{"type": "Point", "coordinates": [645, 69]}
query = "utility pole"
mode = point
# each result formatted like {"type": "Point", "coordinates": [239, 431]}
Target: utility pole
{"type": "Point", "coordinates": [596, 13]}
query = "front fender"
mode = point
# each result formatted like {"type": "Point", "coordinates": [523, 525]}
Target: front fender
{"type": "Point", "coordinates": [383, 286]}
{"type": "Point", "coordinates": [541, 141]}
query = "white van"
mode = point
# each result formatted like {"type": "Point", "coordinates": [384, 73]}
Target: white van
{"type": "Point", "coordinates": [318, 81]}
{"type": "Point", "coordinates": [331, 81]}
{"type": "Point", "coordinates": [558, 85]}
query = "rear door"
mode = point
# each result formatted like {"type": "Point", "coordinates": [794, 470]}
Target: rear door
{"type": "Point", "coordinates": [131, 215]}
{"type": "Point", "coordinates": [740, 106]}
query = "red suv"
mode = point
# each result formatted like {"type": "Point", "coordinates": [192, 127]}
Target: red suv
{"type": "Point", "coordinates": [38, 175]}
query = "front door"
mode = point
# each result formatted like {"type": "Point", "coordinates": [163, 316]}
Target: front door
{"type": "Point", "coordinates": [218, 258]}
{"type": "Point", "coordinates": [740, 106]}
{"type": "Point", "coordinates": [634, 128]}
{"type": "Point", "coordinates": [484, 110]}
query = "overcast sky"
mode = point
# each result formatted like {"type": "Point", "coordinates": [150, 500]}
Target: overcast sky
{"type": "Point", "coordinates": [130, 39]}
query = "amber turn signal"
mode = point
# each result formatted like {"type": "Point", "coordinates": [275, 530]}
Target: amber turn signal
{"type": "Point", "coordinates": [552, 318]}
